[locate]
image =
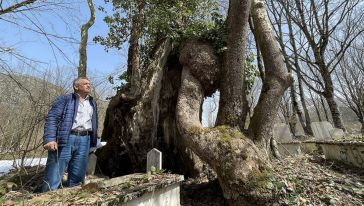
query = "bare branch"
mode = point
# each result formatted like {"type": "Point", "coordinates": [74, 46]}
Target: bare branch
{"type": "Point", "coordinates": [16, 6]}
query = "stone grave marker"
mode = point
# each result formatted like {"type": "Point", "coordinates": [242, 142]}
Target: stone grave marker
{"type": "Point", "coordinates": [337, 133]}
{"type": "Point", "coordinates": [282, 133]}
{"type": "Point", "coordinates": [321, 130]}
{"type": "Point", "coordinates": [154, 158]}
{"type": "Point", "coordinates": [91, 164]}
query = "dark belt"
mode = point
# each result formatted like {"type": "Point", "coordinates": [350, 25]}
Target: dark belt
{"type": "Point", "coordinates": [81, 132]}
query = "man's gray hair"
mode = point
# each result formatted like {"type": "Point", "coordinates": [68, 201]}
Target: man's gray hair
{"type": "Point", "coordinates": [76, 82]}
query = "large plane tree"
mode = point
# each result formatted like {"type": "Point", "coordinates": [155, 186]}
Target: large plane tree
{"type": "Point", "coordinates": [193, 52]}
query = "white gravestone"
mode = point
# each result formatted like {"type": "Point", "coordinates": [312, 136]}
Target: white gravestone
{"type": "Point", "coordinates": [281, 133]}
{"type": "Point", "coordinates": [337, 133]}
{"type": "Point", "coordinates": [154, 158]}
{"type": "Point", "coordinates": [91, 164]}
{"type": "Point", "coordinates": [325, 131]}
{"type": "Point", "coordinates": [321, 130]}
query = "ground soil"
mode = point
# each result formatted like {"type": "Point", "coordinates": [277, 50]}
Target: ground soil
{"type": "Point", "coordinates": [303, 180]}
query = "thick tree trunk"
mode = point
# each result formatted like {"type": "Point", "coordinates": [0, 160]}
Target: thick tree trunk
{"type": "Point", "coordinates": [231, 95]}
{"type": "Point", "coordinates": [277, 79]}
{"type": "Point", "coordinates": [133, 69]}
{"type": "Point", "coordinates": [233, 156]}
{"type": "Point", "coordinates": [241, 169]}
{"type": "Point", "coordinates": [362, 127]}
{"type": "Point", "coordinates": [135, 124]}
{"type": "Point", "coordinates": [82, 68]}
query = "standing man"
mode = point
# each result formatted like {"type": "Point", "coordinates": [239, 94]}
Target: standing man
{"type": "Point", "coordinates": [69, 131]}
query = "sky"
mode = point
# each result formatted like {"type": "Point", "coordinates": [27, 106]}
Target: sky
{"type": "Point", "coordinates": [50, 52]}
{"type": "Point", "coordinates": [61, 57]}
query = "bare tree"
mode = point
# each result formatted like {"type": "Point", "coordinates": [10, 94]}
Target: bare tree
{"type": "Point", "coordinates": [82, 68]}
{"type": "Point", "coordinates": [24, 101]}
{"type": "Point", "coordinates": [33, 16]}
{"type": "Point", "coordinates": [351, 82]}
{"type": "Point", "coordinates": [318, 21]}
{"type": "Point", "coordinates": [287, 113]}
{"type": "Point", "coordinates": [284, 33]}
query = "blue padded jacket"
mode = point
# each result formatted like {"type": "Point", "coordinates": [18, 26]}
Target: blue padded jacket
{"type": "Point", "coordinates": [61, 116]}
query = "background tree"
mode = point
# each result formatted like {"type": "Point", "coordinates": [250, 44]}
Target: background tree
{"type": "Point", "coordinates": [350, 78]}
{"type": "Point", "coordinates": [28, 16]}
{"type": "Point", "coordinates": [319, 23]}
{"type": "Point", "coordinates": [82, 67]}
{"type": "Point", "coordinates": [284, 32]}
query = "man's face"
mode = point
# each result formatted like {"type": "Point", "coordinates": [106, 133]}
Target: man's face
{"type": "Point", "coordinates": [84, 86]}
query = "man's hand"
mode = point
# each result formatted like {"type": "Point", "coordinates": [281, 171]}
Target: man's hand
{"type": "Point", "coordinates": [51, 146]}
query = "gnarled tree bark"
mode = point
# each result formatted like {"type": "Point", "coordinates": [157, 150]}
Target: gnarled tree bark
{"type": "Point", "coordinates": [241, 168]}
{"type": "Point", "coordinates": [240, 161]}
{"type": "Point", "coordinates": [231, 95]}
{"type": "Point", "coordinates": [136, 124]}
{"type": "Point", "coordinates": [276, 80]}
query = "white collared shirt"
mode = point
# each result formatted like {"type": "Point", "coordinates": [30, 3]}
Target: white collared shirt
{"type": "Point", "coordinates": [83, 119]}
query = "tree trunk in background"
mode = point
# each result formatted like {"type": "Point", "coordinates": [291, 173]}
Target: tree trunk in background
{"type": "Point", "coordinates": [335, 113]}
{"type": "Point", "coordinates": [82, 67]}
{"type": "Point", "coordinates": [231, 95]}
{"type": "Point", "coordinates": [234, 157]}
{"type": "Point", "coordinates": [133, 69]}
{"type": "Point", "coordinates": [245, 108]}
{"type": "Point", "coordinates": [277, 79]}
{"type": "Point", "coordinates": [324, 109]}
{"type": "Point", "coordinates": [316, 107]}
{"type": "Point", "coordinates": [307, 126]}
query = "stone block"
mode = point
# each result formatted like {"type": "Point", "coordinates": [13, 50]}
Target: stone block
{"type": "Point", "coordinates": [289, 149]}
{"type": "Point", "coordinates": [91, 164]}
{"type": "Point", "coordinates": [282, 133]}
{"type": "Point", "coordinates": [337, 133]}
{"type": "Point", "coordinates": [321, 130]}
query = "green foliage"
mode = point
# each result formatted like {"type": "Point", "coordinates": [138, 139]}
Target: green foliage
{"type": "Point", "coordinates": [178, 20]}
{"type": "Point", "coordinates": [153, 171]}
{"type": "Point", "coordinates": [216, 33]}
{"type": "Point", "coordinates": [288, 190]}
{"type": "Point", "coordinates": [118, 32]}
{"type": "Point", "coordinates": [359, 138]}
{"type": "Point", "coordinates": [84, 194]}
{"type": "Point", "coordinates": [2, 199]}
{"type": "Point", "coordinates": [261, 180]}
{"type": "Point", "coordinates": [124, 76]}
{"type": "Point", "coordinates": [123, 80]}
{"type": "Point", "coordinates": [175, 19]}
